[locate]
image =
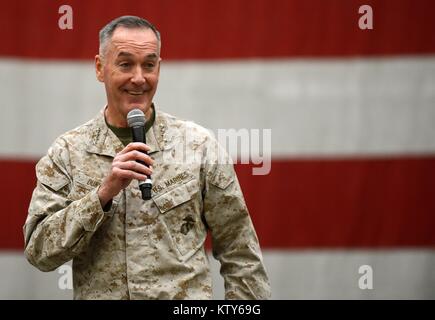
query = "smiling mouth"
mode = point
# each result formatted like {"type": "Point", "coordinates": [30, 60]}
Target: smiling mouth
{"type": "Point", "coordinates": [135, 93]}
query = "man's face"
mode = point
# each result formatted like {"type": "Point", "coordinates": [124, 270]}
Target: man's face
{"type": "Point", "coordinates": [130, 71]}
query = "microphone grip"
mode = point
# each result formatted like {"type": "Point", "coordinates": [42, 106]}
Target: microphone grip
{"type": "Point", "coordinates": [138, 135]}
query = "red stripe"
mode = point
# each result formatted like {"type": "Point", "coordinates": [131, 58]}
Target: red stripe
{"type": "Point", "coordinates": [18, 181]}
{"type": "Point", "coordinates": [197, 29]}
{"type": "Point", "coordinates": [343, 203]}
{"type": "Point", "coordinates": [301, 203]}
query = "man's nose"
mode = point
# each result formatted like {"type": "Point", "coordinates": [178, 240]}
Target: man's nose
{"type": "Point", "coordinates": [138, 77]}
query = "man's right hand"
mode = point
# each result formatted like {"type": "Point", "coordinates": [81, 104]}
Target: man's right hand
{"type": "Point", "coordinates": [124, 169]}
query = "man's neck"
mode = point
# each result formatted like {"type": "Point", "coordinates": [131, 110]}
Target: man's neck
{"type": "Point", "coordinates": [116, 120]}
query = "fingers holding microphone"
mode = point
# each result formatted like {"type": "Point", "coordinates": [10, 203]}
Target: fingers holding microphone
{"type": "Point", "coordinates": [134, 159]}
{"type": "Point", "coordinates": [130, 163]}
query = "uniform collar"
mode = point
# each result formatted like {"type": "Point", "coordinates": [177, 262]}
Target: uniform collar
{"type": "Point", "coordinates": [101, 140]}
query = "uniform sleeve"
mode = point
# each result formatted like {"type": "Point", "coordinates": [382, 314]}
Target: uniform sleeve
{"type": "Point", "coordinates": [234, 240]}
{"type": "Point", "coordinates": [57, 228]}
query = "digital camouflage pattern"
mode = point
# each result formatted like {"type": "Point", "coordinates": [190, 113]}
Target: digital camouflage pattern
{"type": "Point", "coordinates": [144, 249]}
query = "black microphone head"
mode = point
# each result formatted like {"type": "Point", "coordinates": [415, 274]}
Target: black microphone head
{"type": "Point", "coordinates": [135, 118]}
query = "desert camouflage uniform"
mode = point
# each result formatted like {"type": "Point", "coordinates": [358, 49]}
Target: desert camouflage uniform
{"type": "Point", "coordinates": [144, 249]}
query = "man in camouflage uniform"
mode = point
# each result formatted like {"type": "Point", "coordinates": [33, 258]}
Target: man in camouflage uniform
{"type": "Point", "coordinates": [87, 205]}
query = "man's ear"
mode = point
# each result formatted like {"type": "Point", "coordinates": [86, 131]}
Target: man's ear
{"type": "Point", "coordinates": [99, 69]}
{"type": "Point", "coordinates": [160, 61]}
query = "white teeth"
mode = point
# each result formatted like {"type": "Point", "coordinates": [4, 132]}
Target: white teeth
{"type": "Point", "coordinates": [135, 92]}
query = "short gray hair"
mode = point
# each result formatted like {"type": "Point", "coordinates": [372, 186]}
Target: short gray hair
{"type": "Point", "coordinates": [131, 22]}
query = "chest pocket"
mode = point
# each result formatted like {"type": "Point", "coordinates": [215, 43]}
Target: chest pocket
{"type": "Point", "coordinates": [180, 212]}
{"type": "Point", "coordinates": [82, 185]}
{"type": "Point", "coordinates": [49, 174]}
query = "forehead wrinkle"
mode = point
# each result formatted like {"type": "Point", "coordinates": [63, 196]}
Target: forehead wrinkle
{"type": "Point", "coordinates": [135, 45]}
{"type": "Point", "coordinates": [129, 54]}
{"type": "Point", "coordinates": [122, 54]}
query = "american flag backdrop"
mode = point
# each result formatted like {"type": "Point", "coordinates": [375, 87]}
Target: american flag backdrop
{"type": "Point", "coordinates": [351, 113]}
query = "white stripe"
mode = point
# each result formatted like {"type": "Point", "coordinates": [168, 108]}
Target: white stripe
{"type": "Point", "coordinates": [314, 107]}
{"type": "Point", "coordinates": [308, 274]}
{"type": "Point", "coordinates": [334, 274]}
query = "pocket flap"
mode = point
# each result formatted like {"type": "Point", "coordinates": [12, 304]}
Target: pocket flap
{"type": "Point", "coordinates": [85, 180]}
{"type": "Point", "coordinates": [172, 198]}
{"type": "Point", "coordinates": [50, 175]}
{"type": "Point", "coordinates": [223, 177]}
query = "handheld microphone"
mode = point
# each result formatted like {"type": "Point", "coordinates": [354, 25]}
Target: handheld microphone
{"type": "Point", "coordinates": [136, 121]}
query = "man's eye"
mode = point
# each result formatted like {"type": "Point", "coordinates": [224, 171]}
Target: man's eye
{"type": "Point", "coordinates": [124, 65]}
